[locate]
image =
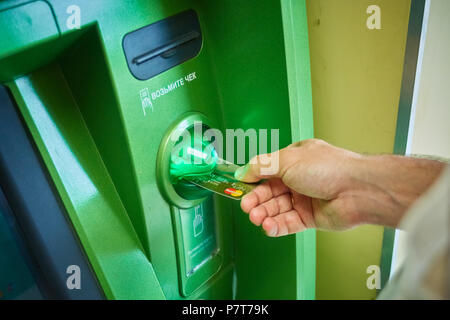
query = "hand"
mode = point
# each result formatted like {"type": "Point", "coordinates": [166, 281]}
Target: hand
{"type": "Point", "coordinates": [321, 186]}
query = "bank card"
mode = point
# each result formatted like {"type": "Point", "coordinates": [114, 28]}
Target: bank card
{"type": "Point", "coordinates": [222, 181]}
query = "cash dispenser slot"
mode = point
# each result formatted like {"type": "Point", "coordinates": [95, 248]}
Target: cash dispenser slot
{"type": "Point", "coordinates": [162, 45]}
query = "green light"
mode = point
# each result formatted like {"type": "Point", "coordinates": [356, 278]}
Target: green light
{"type": "Point", "coordinates": [190, 161]}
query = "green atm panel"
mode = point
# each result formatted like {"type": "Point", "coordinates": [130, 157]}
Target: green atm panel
{"type": "Point", "coordinates": [100, 105]}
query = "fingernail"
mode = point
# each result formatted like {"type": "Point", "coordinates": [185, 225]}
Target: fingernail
{"type": "Point", "coordinates": [240, 172]}
{"type": "Point", "coordinates": [272, 232]}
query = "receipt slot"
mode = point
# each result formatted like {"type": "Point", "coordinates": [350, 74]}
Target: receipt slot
{"type": "Point", "coordinates": [96, 100]}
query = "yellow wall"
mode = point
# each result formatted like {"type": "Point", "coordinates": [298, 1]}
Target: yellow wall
{"type": "Point", "coordinates": [356, 80]}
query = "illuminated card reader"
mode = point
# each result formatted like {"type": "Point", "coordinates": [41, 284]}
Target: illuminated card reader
{"type": "Point", "coordinates": [184, 153]}
{"type": "Point", "coordinates": [190, 160]}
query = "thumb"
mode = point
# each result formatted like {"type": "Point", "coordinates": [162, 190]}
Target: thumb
{"type": "Point", "coordinates": [260, 167]}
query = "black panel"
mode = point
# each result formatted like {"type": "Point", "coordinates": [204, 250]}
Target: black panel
{"type": "Point", "coordinates": [38, 212]}
{"type": "Point", "coordinates": [162, 45]}
{"type": "Point", "coordinates": [18, 275]}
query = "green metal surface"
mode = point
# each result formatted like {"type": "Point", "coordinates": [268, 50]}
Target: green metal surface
{"type": "Point", "coordinates": [84, 185]}
{"type": "Point", "coordinates": [36, 17]}
{"type": "Point", "coordinates": [296, 40]}
{"type": "Point", "coordinates": [83, 109]}
{"type": "Point", "coordinates": [252, 78]}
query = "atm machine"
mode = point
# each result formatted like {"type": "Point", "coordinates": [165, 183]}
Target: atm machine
{"type": "Point", "coordinates": [91, 93]}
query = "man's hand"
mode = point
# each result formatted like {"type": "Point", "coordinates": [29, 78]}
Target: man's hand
{"type": "Point", "coordinates": [325, 187]}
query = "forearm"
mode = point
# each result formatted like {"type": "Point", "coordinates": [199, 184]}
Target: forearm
{"type": "Point", "coordinates": [390, 185]}
{"type": "Point", "coordinates": [326, 187]}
